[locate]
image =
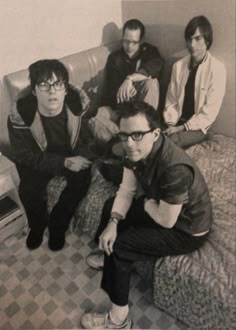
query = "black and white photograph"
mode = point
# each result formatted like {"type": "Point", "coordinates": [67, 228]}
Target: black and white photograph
{"type": "Point", "coordinates": [117, 164]}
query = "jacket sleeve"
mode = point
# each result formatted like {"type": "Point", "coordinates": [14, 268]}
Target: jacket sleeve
{"type": "Point", "coordinates": [171, 111]}
{"type": "Point", "coordinates": [213, 99]}
{"type": "Point", "coordinates": [26, 152]}
{"type": "Point", "coordinates": [113, 81]}
{"type": "Point", "coordinates": [151, 63]}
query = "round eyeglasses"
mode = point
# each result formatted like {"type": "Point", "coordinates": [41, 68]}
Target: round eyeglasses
{"type": "Point", "coordinates": [135, 136]}
{"type": "Point", "coordinates": [45, 86]}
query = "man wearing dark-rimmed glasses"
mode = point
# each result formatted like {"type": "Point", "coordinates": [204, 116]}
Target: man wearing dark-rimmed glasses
{"type": "Point", "coordinates": [131, 73]}
{"type": "Point", "coordinates": [172, 216]}
{"type": "Point", "coordinates": [48, 138]}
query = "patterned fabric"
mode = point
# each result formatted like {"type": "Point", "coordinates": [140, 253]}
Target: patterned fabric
{"type": "Point", "coordinates": [198, 288]}
{"type": "Point", "coordinates": [89, 213]}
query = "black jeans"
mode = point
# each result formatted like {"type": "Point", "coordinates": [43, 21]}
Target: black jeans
{"type": "Point", "coordinates": [139, 238]}
{"type": "Point", "coordinates": [33, 194]}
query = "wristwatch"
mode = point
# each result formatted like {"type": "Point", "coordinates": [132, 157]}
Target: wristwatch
{"type": "Point", "coordinates": [115, 220]}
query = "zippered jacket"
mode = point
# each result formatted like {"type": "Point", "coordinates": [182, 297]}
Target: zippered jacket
{"type": "Point", "coordinates": [27, 135]}
{"type": "Point", "coordinates": [210, 85]}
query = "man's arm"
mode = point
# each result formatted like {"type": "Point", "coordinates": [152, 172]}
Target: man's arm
{"type": "Point", "coordinates": [125, 194]}
{"type": "Point", "coordinates": [151, 62]}
{"type": "Point", "coordinates": [164, 214]}
{"type": "Point", "coordinates": [113, 80]}
{"type": "Point", "coordinates": [174, 193]}
{"type": "Point", "coordinates": [120, 207]}
{"type": "Point", "coordinates": [171, 111]}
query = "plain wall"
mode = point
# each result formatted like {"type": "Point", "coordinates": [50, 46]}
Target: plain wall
{"type": "Point", "coordinates": [166, 20]}
{"type": "Point", "coordinates": [35, 29]}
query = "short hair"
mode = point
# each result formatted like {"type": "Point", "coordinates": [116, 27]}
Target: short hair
{"type": "Point", "coordinates": [134, 24]}
{"type": "Point", "coordinates": [204, 26]}
{"type": "Point", "coordinates": [131, 109]}
{"type": "Point", "coordinates": [43, 70]}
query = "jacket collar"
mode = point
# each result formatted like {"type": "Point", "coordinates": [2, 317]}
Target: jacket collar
{"type": "Point", "coordinates": [28, 110]}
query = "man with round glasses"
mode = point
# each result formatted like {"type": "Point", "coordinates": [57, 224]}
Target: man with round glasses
{"type": "Point", "coordinates": [131, 73]}
{"type": "Point", "coordinates": [49, 138]}
{"type": "Point", "coordinates": [162, 208]}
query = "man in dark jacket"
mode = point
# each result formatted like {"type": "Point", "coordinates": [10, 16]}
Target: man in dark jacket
{"type": "Point", "coordinates": [48, 135]}
{"type": "Point", "coordinates": [172, 215]}
{"type": "Point", "coordinates": [132, 73]}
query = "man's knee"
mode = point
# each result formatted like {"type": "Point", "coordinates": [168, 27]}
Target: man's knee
{"type": "Point", "coordinates": [103, 126]}
{"type": "Point", "coordinates": [151, 92]}
{"type": "Point", "coordinates": [152, 84]}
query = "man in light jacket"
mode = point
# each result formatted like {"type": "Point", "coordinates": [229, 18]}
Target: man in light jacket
{"type": "Point", "coordinates": [196, 89]}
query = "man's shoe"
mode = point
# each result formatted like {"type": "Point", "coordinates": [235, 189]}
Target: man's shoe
{"type": "Point", "coordinates": [34, 240]}
{"type": "Point", "coordinates": [56, 241]}
{"type": "Point", "coordinates": [102, 321]}
{"type": "Point", "coordinates": [95, 260]}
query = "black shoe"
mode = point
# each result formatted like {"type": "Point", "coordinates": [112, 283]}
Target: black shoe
{"type": "Point", "coordinates": [56, 241]}
{"type": "Point", "coordinates": [34, 240]}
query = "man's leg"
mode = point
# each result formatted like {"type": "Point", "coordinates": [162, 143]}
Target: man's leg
{"type": "Point", "coordinates": [32, 192]}
{"type": "Point", "coordinates": [187, 139]}
{"type": "Point", "coordinates": [60, 217]}
{"type": "Point", "coordinates": [140, 238]}
{"type": "Point", "coordinates": [104, 124]}
{"type": "Point", "coordinates": [148, 91]}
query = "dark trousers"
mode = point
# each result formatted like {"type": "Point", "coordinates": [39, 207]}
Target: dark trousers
{"type": "Point", "coordinates": [33, 194]}
{"type": "Point", "coordinates": [187, 139]}
{"type": "Point", "coordinates": [139, 238]}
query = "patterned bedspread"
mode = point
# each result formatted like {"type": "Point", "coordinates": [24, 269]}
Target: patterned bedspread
{"type": "Point", "coordinates": [197, 288]}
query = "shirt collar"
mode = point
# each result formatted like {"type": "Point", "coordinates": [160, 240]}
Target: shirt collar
{"type": "Point", "coordinates": [194, 65]}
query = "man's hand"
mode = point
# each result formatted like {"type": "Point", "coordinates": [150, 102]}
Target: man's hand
{"type": "Point", "coordinates": [173, 129]}
{"type": "Point", "coordinates": [126, 91]}
{"type": "Point", "coordinates": [107, 238]}
{"type": "Point", "coordinates": [77, 163]}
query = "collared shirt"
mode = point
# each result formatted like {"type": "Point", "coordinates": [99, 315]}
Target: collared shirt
{"type": "Point", "coordinates": [168, 174]}
{"type": "Point", "coordinates": [172, 186]}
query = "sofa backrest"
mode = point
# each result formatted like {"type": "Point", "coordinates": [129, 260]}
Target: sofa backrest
{"type": "Point", "coordinates": [86, 69]}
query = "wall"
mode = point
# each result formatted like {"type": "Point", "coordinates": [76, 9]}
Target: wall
{"type": "Point", "coordinates": [35, 29]}
{"type": "Point", "coordinates": [166, 20]}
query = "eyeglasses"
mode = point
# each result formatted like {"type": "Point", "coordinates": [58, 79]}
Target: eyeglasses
{"type": "Point", "coordinates": [135, 136]}
{"type": "Point", "coordinates": [44, 86]}
{"type": "Point", "coordinates": [131, 42]}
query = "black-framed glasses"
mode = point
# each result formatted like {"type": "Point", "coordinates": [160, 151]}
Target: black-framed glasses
{"type": "Point", "coordinates": [45, 86]}
{"type": "Point", "coordinates": [131, 42]}
{"type": "Point", "coordinates": [135, 136]}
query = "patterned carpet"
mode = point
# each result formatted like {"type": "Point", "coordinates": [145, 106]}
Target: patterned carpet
{"type": "Point", "coordinates": [51, 290]}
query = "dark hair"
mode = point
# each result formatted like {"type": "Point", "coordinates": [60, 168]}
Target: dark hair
{"type": "Point", "coordinates": [43, 70]}
{"type": "Point", "coordinates": [135, 24]}
{"type": "Point", "coordinates": [204, 26]}
{"type": "Point", "coordinates": [131, 109]}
